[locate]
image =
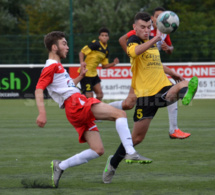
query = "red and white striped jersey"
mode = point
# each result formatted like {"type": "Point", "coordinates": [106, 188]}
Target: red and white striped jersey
{"type": "Point", "coordinates": [56, 79]}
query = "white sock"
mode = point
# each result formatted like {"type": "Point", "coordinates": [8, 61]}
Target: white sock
{"type": "Point", "coordinates": [125, 135]}
{"type": "Point", "coordinates": [173, 114]}
{"type": "Point", "coordinates": [78, 159]}
{"type": "Point", "coordinates": [117, 104]}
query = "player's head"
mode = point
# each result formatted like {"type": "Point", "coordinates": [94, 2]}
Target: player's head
{"type": "Point", "coordinates": [157, 11]}
{"type": "Point", "coordinates": [55, 42]}
{"type": "Point", "coordinates": [104, 35]}
{"type": "Point", "coordinates": [142, 25]}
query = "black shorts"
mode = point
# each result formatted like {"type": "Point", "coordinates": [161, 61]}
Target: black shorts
{"type": "Point", "coordinates": [87, 83]}
{"type": "Point", "coordinates": [146, 107]}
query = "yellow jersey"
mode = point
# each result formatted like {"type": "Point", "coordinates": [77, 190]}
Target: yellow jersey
{"type": "Point", "coordinates": [148, 73]}
{"type": "Point", "coordinates": [96, 53]}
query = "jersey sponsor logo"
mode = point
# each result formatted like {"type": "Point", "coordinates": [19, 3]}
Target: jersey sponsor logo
{"type": "Point", "coordinates": [153, 57]}
{"type": "Point", "coordinates": [60, 67]}
{"type": "Point", "coordinates": [70, 83]}
{"type": "Point", "coordinates": [153, 64]}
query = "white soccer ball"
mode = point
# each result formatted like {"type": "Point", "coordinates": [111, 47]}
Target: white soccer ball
{"type": "Point", "coordinates": [167, 22]}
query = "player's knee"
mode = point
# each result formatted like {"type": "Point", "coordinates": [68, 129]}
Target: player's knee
{"type": "Point", "coordinates": [100, 96]}
{"type": "Point", "coordinates": [100, 151]}
{"type": "Point", "coordinates": [122, 114]}
{"type": "Point", "coordinates": [129, 106]}
{"type": "Point", "coordinates": [129, 103]}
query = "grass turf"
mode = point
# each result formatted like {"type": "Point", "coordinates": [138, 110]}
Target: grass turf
{"type": "Point", "coordinates": [179, 166]}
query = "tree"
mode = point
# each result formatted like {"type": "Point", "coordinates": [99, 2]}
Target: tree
{"type": "Point", "coordinates": [193, 41]}
{"type": "Point", "coordinates": [10, 11]}
{"type": "Point", "coordinates": [43, 16]}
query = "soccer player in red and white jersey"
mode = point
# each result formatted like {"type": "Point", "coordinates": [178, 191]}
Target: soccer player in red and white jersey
{"type": "Point", "coordinates": [80, 111]}
{"type": "Point", "coordinates": [166, 45]}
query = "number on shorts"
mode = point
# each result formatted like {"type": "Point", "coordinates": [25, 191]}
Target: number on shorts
{"type": "Point", "coordinates": [88, 88]}
{"type": "Point", "coordinates": [139, 113]}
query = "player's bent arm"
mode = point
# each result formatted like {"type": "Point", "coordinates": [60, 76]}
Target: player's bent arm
{"type": "Point", "coordinates": [139, 49]}
{"type": "Point", "coordinates": [81, 57]}
{"type": "Point", "coordinates": [168, 71]}
{"type": "Point", "coordinates": [81, 75]}
{"type": "Point", "coordinates": [116, 61]}
{"type": "Point", "coordinates": [78, 79]}
{"type": "Point", "coordinates": [41, 119]}
{"type": "Point", "coordinates": [173, 74]}
{"type": "Point", "coordinates": [123, 42]}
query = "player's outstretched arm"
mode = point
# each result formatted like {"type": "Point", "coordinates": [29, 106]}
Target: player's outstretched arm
{"type": "Point", "coordinates": [139, 49]}
{"type": "Point", "coordinates": [177, 77]}
{"type": "Point", "coordinates": [116, 61]}
{"type": "Point", "coordinates": [41, 119]}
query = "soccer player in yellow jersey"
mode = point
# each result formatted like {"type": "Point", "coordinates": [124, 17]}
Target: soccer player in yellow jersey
{"type": "Point", "coordinates": [96, 53]}
{"type": "Point", "coordinates": [151, 86]}
{"type": "Point", "coordinates": [166, 45]}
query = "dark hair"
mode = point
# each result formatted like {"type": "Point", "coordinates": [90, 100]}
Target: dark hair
{"type": "Point", "coordinates": [158, 9]}
{"type": "Point", "coordinates": [101, 30]}
{"type": "Point", "coordinates": [52, 38]}
{"type": "Point", "coordinates": [142, 16]}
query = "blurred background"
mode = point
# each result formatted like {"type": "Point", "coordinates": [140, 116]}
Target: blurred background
{"type": "Point", "coordinates": [23, 24]}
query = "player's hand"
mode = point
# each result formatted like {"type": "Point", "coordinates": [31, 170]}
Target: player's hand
{"type": "Point", "coordinates": [164, 46]}
{"type": "Point", "coordinates": [116, 61]}
{"type": "Point", "coordinates": [162, 35]}
{"type": "Point", "coordinates": [41, 120]}
{"type": "Point", "coordinates": [83, 69]}
{"type": "Point", "coordinates": [177, 77]}
{"type": "Point", "coordinates": [83, 64]}
{"type": "Point", "coordinates": [158, 35]}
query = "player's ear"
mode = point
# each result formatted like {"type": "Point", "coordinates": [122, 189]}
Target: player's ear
{"type": "Point", "coordinates": [134, 26]}
{"type": "Point", "coordinates": [54, 47]}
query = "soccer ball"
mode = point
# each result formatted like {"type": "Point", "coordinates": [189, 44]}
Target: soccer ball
{"type": "Point", "coordinates": [167, 22]}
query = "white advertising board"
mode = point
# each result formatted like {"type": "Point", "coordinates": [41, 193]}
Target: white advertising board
{"type": "Point", "coordinates": [116, 81]}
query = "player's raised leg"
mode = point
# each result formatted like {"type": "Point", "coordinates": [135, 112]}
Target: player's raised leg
{"type": "Point", "coordinates": [184, 90]}
{"type": "Point", "coordinates": [104, 111]}
{"type": "Point", "coordinates": [127, 103]}
{"type": "Point", "coordinates": [192, 88]}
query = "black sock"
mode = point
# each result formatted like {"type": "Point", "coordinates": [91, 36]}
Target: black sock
{"type": "Point", "coordinates": [182, 92]}
{"type": "Point", "coordinates": [118, 156]}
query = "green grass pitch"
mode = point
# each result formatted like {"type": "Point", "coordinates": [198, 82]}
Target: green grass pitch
{"type": "Point", "coordinates": [179, 166]}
